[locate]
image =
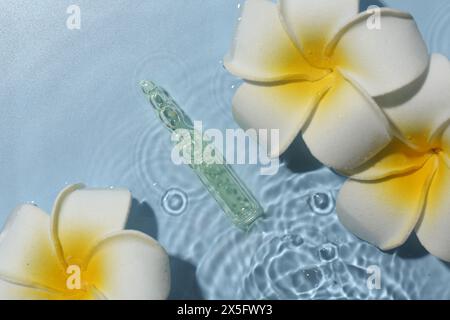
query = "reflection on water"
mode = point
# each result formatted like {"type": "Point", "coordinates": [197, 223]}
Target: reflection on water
{"type": "Point", "coordinates": [295, 253]}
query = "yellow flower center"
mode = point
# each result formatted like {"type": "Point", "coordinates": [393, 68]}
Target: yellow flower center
{"type": "Point", "coordinates": [76, 284]}
{"type": "Point", "coordinates": [81, 275]}
{"type": "Point", "coordinates": [314, 53]}
{"type": "Point", "coordinates": [74, 278]}
{"type": "Point", "coordinates": [317, 59]}
{"type": "Point", "coordinates": [436, 150]}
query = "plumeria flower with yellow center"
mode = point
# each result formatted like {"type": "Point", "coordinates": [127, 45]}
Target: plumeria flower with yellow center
{"type": "Point", "coordinates": [314, 66]}
{"type": "Point", "coordinates": [81, 251]}
{"type": "Point", "coordinates": [406, 186]}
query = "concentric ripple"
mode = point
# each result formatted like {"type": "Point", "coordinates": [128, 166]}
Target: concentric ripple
{"type": "Point", "coordinates": [174, 201]}
{"type": "Point", "coordinates": [438, 29]}
{"type": "Point", "coordinates": [154, 166]}
{"type": "Point", "coordinates": [223, 87]}
{"type": "Point", "coordinates": [165, 68]}
{"type": "Point", "coordinates": [322, 203]}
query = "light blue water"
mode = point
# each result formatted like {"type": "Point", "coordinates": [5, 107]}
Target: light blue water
{"type": "Point", "coordinates": [72, 111]}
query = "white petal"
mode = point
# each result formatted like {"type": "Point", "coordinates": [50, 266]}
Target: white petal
{"type": "Point", "coordinates": [11, 291]}
{"type": "Point", "coordinates": [262, 50]}
{"type": "Point", "coordinates": [427, 109]}
{"type": "Point", "coordinates": [384, 212]}
{"type": "Point", "coordinates": [27, 255]}
{"type": "Point", "coordinates": [381, 60]}
{"type": "Point", "coordinates": [347, 128]}
{"type": "Point", "coordinates": [433, 230]}
{"type": "Point", "coordinates": [131, 266]}
{"type": "Point", "coordinates": [313, 23]}
{"type": "Point", "coordinates": [395, 159]}
{"type": "Point", "coordinates": [81, 216]}
{"type": "Point", "coordinates": [284, 107]}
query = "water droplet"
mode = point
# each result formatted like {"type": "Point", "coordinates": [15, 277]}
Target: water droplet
{"type": "Point", "coordinates": [328, 252]}
{"type": "Point", "coordinates": [322, 203]}
{"type": "Point", "coordinates": [174, 202]}
{"type": "Point", "coordinates": [293, 240]}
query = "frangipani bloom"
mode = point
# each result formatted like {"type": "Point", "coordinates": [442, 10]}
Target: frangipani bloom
{"type": "Point", "coordinates": [313, 65]}
{"type": "Point", "coordinates": [406, 187]}
{"type": "Point", "coordinates": [81, 251]}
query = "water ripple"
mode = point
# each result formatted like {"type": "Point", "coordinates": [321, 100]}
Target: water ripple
{"type": "Point", "coordinates": [154, 167]}
{"type": "Point", "coordinates": [294, 253]}
{"type": "Point", "coordinates": [175, 76]}
{"type": "Point", "coordinates": [223, 86]}
{"type": "Point", "coordinates": [438, 29]}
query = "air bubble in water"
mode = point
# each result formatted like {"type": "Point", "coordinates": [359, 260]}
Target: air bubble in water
{"type": "Point", "coordinates": [294, 240]}
{"type": "Point", "coordinates": [322, 203]}
{"type": "Point", "coordinates": [328, 252]}
{"type": "Point", "coordinates": [174, 202]}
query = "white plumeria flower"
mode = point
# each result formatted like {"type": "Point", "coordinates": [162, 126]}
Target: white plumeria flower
{"type": "Point", "coordinates": [406, 186]}
{"type": "Point", "coordinates": [81, 251]}
{"type": "Point", "coordinates": [305, 63]}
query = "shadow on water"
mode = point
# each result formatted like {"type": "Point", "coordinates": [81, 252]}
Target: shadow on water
{"type": "Point", "coordinates": [364, 4]}
{"type": "Point", "coordinates": [142, 218]}
{"type": "Point", "coordinates": [184, 282]}
{"type": "Point", "coordinates": [298, 158]}
{"type": "Point", "coordinates": [411, 249]}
